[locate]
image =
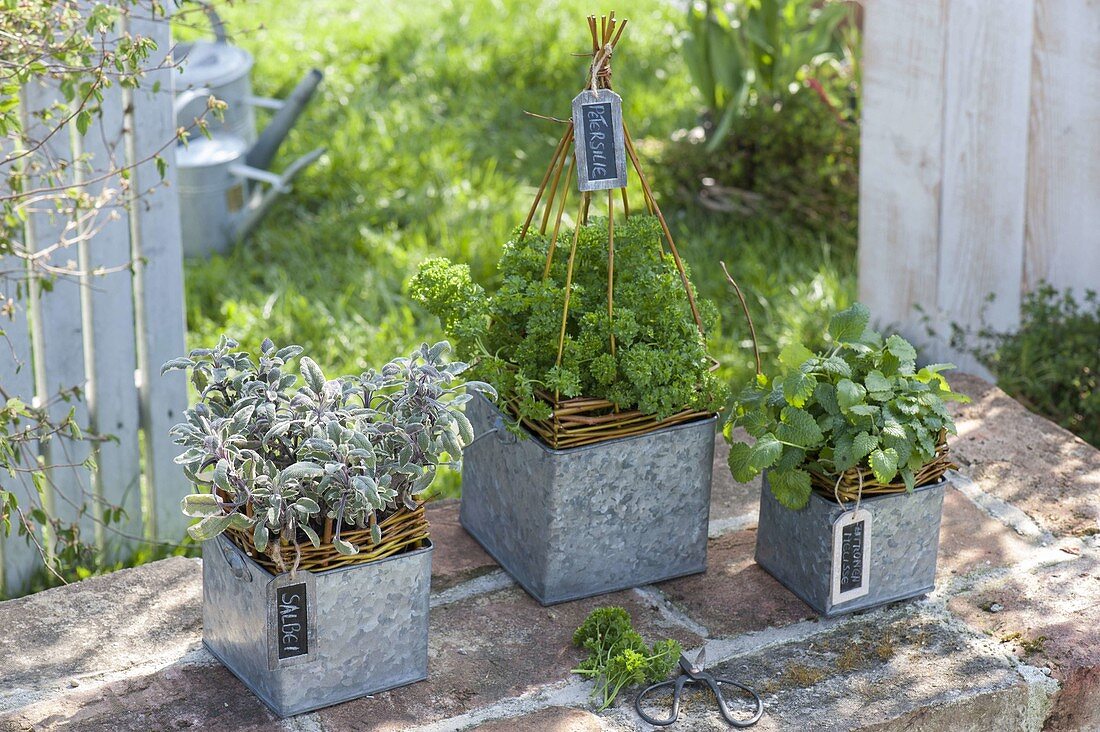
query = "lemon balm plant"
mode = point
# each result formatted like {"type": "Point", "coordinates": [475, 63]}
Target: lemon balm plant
{"type": "Point", "coordinates": [852, 444]}
{"type": "Point", "coordinates": [859, 413]}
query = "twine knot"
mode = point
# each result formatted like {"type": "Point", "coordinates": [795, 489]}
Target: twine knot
{"type": "Point", "coordinates": [600, 73]}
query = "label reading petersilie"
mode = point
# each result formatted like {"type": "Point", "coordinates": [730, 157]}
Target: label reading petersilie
{"type": "Point", "coordinates": [851, 556]}
{"type": "Point", "coordinates": [292, 624]}
{"type": "Point", "coordinates": [599, 140]}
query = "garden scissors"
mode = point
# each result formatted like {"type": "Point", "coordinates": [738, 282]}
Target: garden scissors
{"type": "Point", "coordinates": [693, 673]}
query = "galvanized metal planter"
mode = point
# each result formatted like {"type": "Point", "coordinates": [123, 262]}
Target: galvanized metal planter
{"type": "Point", "coordinates": [573, 523]}
{"type": "Point", "coordinates": [901, 546]}
{"type": "Point", "coordinates": [364, 628]}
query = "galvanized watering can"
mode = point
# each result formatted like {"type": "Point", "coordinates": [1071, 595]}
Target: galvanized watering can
{"type": "Point", "coordinates": [225, 71]}
{"type": "Point", "coordinates": [225, 185]}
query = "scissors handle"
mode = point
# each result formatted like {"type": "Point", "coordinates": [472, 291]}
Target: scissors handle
{"type": "Point", "coordinates": [677, 685]}
{"type": "Point", "coordinates": [713, 683]}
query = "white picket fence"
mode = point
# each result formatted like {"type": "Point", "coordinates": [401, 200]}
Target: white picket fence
{"type": "Point", "coordinates": [980, 159]}
{"type": "Point", "coordinates": [108, 334]}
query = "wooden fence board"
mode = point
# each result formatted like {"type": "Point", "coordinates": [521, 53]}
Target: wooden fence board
{"type": "Point", "coordinates": [985, 164]}
{"type": "Point", "coordinates": [901, 158]}
{"type": "Point", "coordinates": [58, 330]}
{"type": "Point", "coordinates": [109, 337]}
{"type": "Point", "coordinates": [159, 285]}
{"type": "Point", "coordinates": [1063, 204]}
{"type": "Point", "coordinates": [18, 559]}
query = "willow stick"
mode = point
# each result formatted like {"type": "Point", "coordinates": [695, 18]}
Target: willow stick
{"type": "Point", "coordinates": [559, 150]}
{"type": "Point", "coordinates": [592, 30]}
{"type": "Point", "coordinates": [549, 205]}
{"type": "Point", "coordinates": [611, 267]}
{"type": "Point", "coordinates": [557, 220]}
{"type": "Point", "coordinates": [626, 203]}
{"type": "Point", "coordinates": [586, 199]}
{"type": "Point", "coordinates": [647, 196]}
{"type": "Point", "coordinates": [603, 29]}
{"type": "Point", "coordinates": [568, 288]}
{"type": "Point", "coordinates": [622, 27]}
{"type": "Point", "coordinates": [668, 233]}
{"type": "Point", "coordinates": [745, 307]}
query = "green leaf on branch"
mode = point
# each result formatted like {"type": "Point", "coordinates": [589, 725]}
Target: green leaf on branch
{"type": "Point", "coordinates": [798, 387]}
{"type": "Point", "coordinates": [884, 464]}
{"type": "Point", "coordinates": [795, 354]}
{"type": "Point", "coordinates": [765, 452]}
{"type": "Point", "coordinates": [345, 547]}
{"type": "Point", "coordinates": [740, 462]}
{"type": "Point", "coordinates": [901, 348]}
{"type": "Point", "coordinates": [862, 445]}
{"type": "Point", "coordinates": [790, 487]}
{"type": "Point", "coordinates": [199, 505]}
{"type": "Point", "coordinates": [849, 393]}
{"type": "Point", "coordinates": [877, 384]}
{"type": "Point", "coordinates": [312, 374]}
{"type": "Point", "coordinates": [210, 527]}
{"type": "Point", "coordinates": [848, 325]}
{"type": "Point", "coordinates": [798, 428]}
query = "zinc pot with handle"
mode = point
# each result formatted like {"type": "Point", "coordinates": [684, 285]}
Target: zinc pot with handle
{"type": "Point", "coordinates": [304, 640]}
{"type": "Point", "coordinates": [588, 520]}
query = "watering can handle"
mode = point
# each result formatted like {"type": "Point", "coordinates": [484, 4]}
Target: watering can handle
{"type": "Point", "coordinates": [182, 100]}
{"type": "Point", "coordinates": [216, 23]}
{"type": "Point", "coordinates": [279, 184]}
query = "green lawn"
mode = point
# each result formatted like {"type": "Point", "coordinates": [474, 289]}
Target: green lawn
{"type": "Point", "coordinates": [430, 153]}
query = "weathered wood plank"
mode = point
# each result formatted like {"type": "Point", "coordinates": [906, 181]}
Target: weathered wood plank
{"type": "Point", "coordinates": [1063, 202]}
{"type": "Point", "coordinates": [988, 75]}
{"type": "Point", "coordinates": [155, 227]}
{"type": "Point", "coordinates": [109, 337]}
{"type": "Point", "coordinates": [58, 326]}
{"type": "Point", "coordinates": [901, 159]}
{"type": "Point", "coordinates": [18, 558]}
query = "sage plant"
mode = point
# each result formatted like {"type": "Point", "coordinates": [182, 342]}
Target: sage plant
{"type": "Point", "coordinates": [282, 461]}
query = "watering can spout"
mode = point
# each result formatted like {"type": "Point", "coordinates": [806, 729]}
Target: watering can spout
{"type": "Point", "coordinates": [267, 145]}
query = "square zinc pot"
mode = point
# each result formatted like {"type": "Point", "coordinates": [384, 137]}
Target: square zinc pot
{"type": "Point", "coordinates": [588, 520]}
{"type": "Point", "coordinates": [797, 547]}
{"type": "Point", "coordinates": [364, 630]}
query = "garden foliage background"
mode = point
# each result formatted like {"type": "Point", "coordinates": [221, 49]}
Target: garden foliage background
{"type": "Point", "coordinates": [430, 153]}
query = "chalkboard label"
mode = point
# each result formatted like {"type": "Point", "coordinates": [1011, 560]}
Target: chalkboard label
{"type": "Point", "coordinates": [851, 556]}
{"type": "Point", "coordinates": [599, 140]}
{"type": "Point", "coordinates": [293, 627]}
{"type": "Point", "coordinates": [291, 620]}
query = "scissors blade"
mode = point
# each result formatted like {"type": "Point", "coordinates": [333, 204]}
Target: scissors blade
{"type": "Point", "coordinates": [700, 660]}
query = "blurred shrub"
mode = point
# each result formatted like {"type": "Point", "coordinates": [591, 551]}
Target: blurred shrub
{"type": "Point", "coordinates": [778, 134]}
{"type": "Point", "coordinates": [1051, 363]}
{"type": "Point", "coordinates": [754, 51]}
{"type": "Point", "coordinates": [793, 159]}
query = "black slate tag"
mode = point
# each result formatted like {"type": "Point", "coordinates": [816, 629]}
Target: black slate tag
{"type": "Point", "coordinates": [851, 556]}
{"type": "Point", "coordinates": [292, 628]}
{"type": "Point", "coordinates": [599, 140]}
{"type": "Point", "coordinates": [291, 619]}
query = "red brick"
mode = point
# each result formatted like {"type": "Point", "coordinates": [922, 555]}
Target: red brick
{"type": "Point", "coordinates": [491, 647]}
{"type": "Point", "coordinates": [735, 595]}
{"type": "Point", "coordinates": [1059, 604]}
{"type": "Point", "coordinates": [177, 697]}
{"type": "Point", "coordinates": [457, 556]}
{"type": "Point", "coordinates": [1026, 459]}
{"type": "Point", "coordinates": [972, 541]}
